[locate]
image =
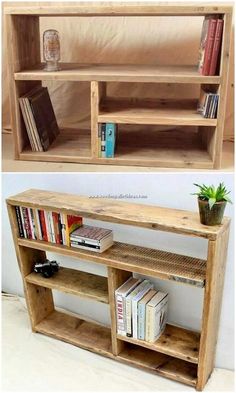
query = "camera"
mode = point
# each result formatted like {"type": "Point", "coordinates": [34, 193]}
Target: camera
{"type": "Point", "coordinates": [46, 269]}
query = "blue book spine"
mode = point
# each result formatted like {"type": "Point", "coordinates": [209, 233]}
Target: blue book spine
{"type": "Point", "coordinates": [141, 321]}
{"type": "Point", "coordinates": [103, 140]}
{"type": "Point", "coordinates": [110, 140]}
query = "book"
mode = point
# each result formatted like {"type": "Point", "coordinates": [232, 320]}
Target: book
{"type": "Point", "coordinates": [110, 139]}
{"type": "Point", "coordinates": [206, 44]}
{"type": "Point", "coordinates": [55, 218]}
{"type": "Point", "coordinates": [142, 313]}
{"type": "Point", "coordinates": [23, 223]}
{"type": "Point", "coordinates": [19, 222]}
{"type": "Point", "coordinates": [99, 140]}
{"type": "Point", "coordinates": [39, 118]}
{"type": "Point", "coordinates": [38, 224]}
{"type": "Point", "coordinates": [26, 222]}
{"type": "Point", "coordinates": [135, 301]}
{"type": "Point", "coordinates": [103, 140]}
{"type": "Point", "coordinates": [216, 47]}
{"type": "Point", "coordinates": [71, 224]}
{"type": "Point", "coordinates": [32, 224]}
{"type": "Point", "coordinates": [120, 295]}
{"type": "Point", "coordinates": [63, 228]}
{"type": "Point", "coordinates": [207, 104]}
{"type": "Point", "coordinates": [42, 218]}
{"type": "Point", "coordinates": [93, 238]}
{"type": "Point", "coordinates": [156, 316]}
{"type": "Point", "coordinates": [128, 306]}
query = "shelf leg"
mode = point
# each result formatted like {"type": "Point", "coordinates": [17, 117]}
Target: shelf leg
{"type": "Point", "coordinates": [116, 278]}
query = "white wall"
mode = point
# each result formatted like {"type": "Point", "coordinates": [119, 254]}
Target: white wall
{"type": "Point", "coordinates": [170, 190]}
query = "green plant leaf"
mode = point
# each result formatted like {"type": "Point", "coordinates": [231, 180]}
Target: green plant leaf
{"type": "Point", "coordinates": [211, 202]}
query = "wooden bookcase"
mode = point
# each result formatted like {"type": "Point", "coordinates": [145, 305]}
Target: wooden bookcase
{"type": "Point", "coordinates": [179, 354]}
{"type": "Point", "coordinates": [192, 141]}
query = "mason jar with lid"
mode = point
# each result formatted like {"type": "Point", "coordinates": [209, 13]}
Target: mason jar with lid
{"type": "Point", "coordinates": [51, 50]}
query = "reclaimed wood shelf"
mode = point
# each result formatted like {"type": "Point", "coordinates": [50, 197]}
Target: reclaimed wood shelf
{"type": "Point", "coordinates": [175, 341]}
{"type": "Point", "coordinates": [160, 264]}
{"type": "Point", "coordinates": [179, 354]}
{"type": "Point", "coordinates": [26, 72]}
{"type": "Point", "coordinates": [75, 282]}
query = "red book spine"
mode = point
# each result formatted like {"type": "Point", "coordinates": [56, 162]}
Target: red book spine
{"type": "Point", "coordinates": [55, 217]}
{"type": "Point", "coordinates": [44, 228]}
{"type": "Point", "coordinates": [216, 46]}
{"type": "Point", "coordinates": [209, 46]}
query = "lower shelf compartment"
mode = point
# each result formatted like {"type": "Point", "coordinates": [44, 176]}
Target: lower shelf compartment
{"type": "Point", "coordinates": [78, 332]}
{"type": "Point", "coordinates": [161, 364]}
{"type": "Point", "coordinates": [175, 341]}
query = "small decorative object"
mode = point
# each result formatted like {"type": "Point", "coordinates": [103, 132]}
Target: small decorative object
{"type": "Point", "coordinates": [46, 269]}
{"type": "Point", "coordinates": [211, 203]}
{"type": "Point", "coordinates": [51, 50]}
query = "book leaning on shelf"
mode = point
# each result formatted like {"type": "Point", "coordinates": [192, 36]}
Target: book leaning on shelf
{"type": "Point", "coordinates": [107, 134]}
{"type": "Point", "coordinates": [39, 118]}
{"type": "Point", "coordinates": [210, 45]}
{"type": "Point", "coordinates": [92, 238]}
{"type": "Point", "coordinates": [208, 104]}
{"type": "Point", "coordinates": [45, 225]}
{"type": "Point", "coordinates": [141, 311]}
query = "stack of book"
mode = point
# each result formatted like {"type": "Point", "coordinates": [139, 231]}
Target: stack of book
{"type": "Point", "coordinates": [208, 103]}
{"type": "Point", "coordinates": [46, 225]}
{"type": "Point", "coordinates": [141, 311]}
{"type": "Point", "coordinates": [107, 133]}
{"type": "Point", "coordinates": [39, 118]}
{"type": "Point", "coordinates": [92, 238]}
{"type": "Point", "coordinates": [209, 52]}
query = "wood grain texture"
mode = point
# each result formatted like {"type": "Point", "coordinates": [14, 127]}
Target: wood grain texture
{"type": "Point", "coordinates": [24, 51]}
{"type": "Point", "coordinates": [160, 364]}
{"type": "Point", "coordinates": [224, 71]}
{"type": "Point", "coordinates": [128, 257]}
{"type": "Point", "coordinates": [163, 112]}
{"type": "Point", "coordinates": [216, 262]}
{"type": "Point", "coordinates": [75, 282]}
{"type": "Point", "coordinates": [119, 8]}
{"type": "Point", "coordinates": [175, 341]}
{"type": "Point", "coordinates": [115, 279]}
{"type": "Point", "coordinates": [118, 73]}
{"type": "Point", "coordinates": [141, 215]}
{"type": "Point", "coordinates": [75, 331]}
{"type": "Point", "coordinates": [98, 91]}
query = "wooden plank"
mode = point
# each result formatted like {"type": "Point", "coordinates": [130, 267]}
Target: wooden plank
{"type": "Point", "coordinates": [73, 330]}
{"type": "Point", "coordinates": [39, 300]}
{"type": "Point", "coordinates": [159, 112]}
{"type": "Point", "coordinates": [224, 70]}
{"type": "Point", "coordinates": [152, 217]}
{"type": "Point", "coordinates": [23, 52]}
{"type": "Point", "coordinates": [160, 364]}
{"type": "Point", "coordinates": [127, 257]}
{"type": "Point", "coordinates": [75, 282]}
{"type": "Point", "coordinates": [118, 73]}
{"type": "Point", "coordinates": [216, 262]}
{"type": "Point", "coordinates": [98, 91]}
{"type": "Point", "coordinates": [118, 9]}
{"type": "Point", "coordinates": [115, 279]}
{"type": "Point", "coordinates": [175, 341]}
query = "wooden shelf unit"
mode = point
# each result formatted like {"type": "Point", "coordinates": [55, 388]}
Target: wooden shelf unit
{"type": "Point", "coordinates": [201, 150]}
{"type": "Point", "coordinates": [179, 354]}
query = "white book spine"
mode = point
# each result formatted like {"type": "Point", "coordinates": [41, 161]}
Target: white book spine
{"type": "Point", "coordinates": [47, 226]}
{"type": "Point", "coordinates": [128, 313]}
{"type": "Point", "coordinates": [63, 230]}
{"type": "Point", "coordinates": [33, 225]}
{"type": "Point", "coordinates": [51, 225]}
{"type": "Point", "coordinates": [30, 222]}
{"type": "Point", "coordinates": [135, 309]}
{"type": "Point", "coordinates": [120, 315]}
{"type": "Point", "coordinates": [148, 323]}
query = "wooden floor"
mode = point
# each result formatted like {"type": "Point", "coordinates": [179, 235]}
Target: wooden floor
{"type": "Point", "coordinates": [11, 165]}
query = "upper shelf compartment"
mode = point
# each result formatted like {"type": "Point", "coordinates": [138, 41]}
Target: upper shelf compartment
{"type": "Point", "coordinates": [119, 73]}
{"type": "Point", "coordinates": [146, 216]}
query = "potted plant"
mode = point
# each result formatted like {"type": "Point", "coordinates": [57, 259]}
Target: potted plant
{"type": "Point", "coordinates": [211, 202]}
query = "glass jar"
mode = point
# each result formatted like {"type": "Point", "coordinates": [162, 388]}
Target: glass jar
{"type": "Point", "coordinates": [51, 50]}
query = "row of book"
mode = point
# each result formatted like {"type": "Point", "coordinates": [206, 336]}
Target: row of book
{"type": "Point", "coordinates": [39, 118]}
{"type": "Point", "coordinates": [141, 310]}
{"type": "Point", "coordinates": [107, 134]}
{"type": "Point", "coordinates": [60, 228]}
{"type": "Point", "coordinates": [45, 225]}
{"type": "Point", "coordinates": [208, 104]}
{"type": "Point", "coordinates": [209, 52]}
